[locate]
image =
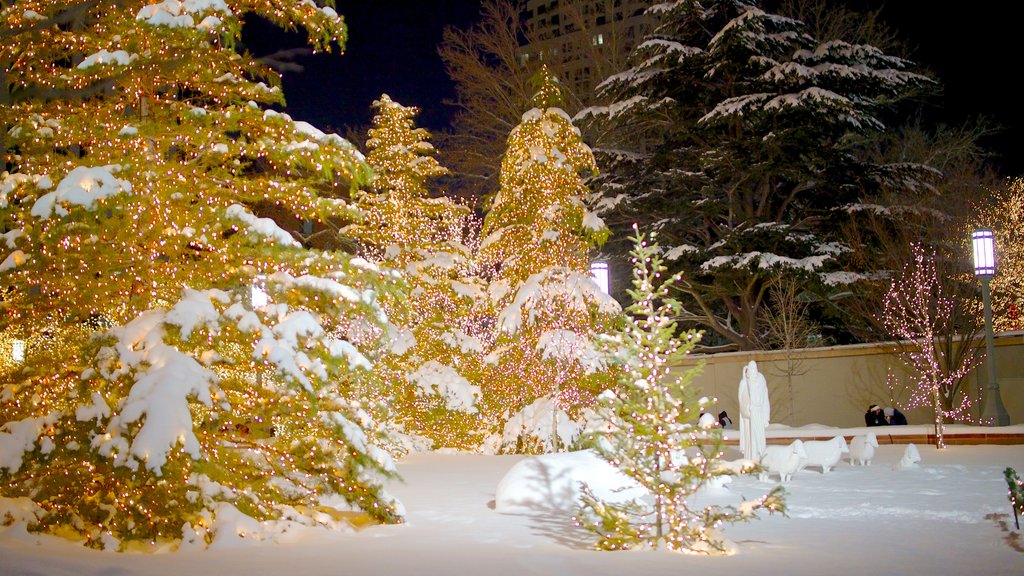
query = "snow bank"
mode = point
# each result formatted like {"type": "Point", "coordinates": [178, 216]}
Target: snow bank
{"type": "Point", "coordinates": [551, 482]}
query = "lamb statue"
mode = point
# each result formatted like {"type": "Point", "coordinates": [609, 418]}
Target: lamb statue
{"type": "Point", "coordinates": [910, 458]}
{"type": "Point", "coordinates": [825, 453]}
{"type": "Point", "coordinates": [783, 460]}
{"type": "Point", "coordinates": [862, 449]}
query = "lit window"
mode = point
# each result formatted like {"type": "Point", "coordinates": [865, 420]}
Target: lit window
{"type": "Point", "coordinates": [598, 39]}
{"type": "Point", "coordinates": [601, 275]}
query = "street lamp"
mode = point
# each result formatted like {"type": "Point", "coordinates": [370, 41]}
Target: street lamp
{"type": "Point", "coordinates": [993, 413]}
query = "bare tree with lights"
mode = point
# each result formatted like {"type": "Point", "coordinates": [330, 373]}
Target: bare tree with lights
{"type": "Point", "coordinates": [652, 433]}
{"type": "Point", "coordinates": [918, 311]}
{"type": "Point", "coordinates": [157, 400]}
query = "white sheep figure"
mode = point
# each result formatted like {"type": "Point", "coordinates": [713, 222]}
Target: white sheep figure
{"type": "Point", "coordinates": [910, 458]}
{"type": "Point", "coordinates": [862, 449]}
{"type": "Point", "coordinates": [783, 460]}
{"type": "Point", "coordinates": [825, 453]}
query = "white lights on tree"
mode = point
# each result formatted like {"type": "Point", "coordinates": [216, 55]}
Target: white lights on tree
{"type": "Point", "coordinates": [984, 252]}
{"type": "Point", "coordinates": [18, 351]}
{"type": "Point", "coordinates": [258, 296]}
{"type": "Point", "coordinates": [600, 273]}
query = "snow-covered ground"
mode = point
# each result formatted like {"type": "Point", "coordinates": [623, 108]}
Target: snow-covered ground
{"type": "Point", "coordinates": [949, 515]}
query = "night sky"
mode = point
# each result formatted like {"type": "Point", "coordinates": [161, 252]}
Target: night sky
{"type": "Point", "coordinates": [974, 51]}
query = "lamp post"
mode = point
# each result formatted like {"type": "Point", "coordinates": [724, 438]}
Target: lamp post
{"type": "Point", "coordinates": [993, 413]}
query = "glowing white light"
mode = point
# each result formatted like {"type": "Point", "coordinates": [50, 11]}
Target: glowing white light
{"type": "Point", "coordinates": [18, 351]}
{"type": "Point", "coordinates": [258, 297]}
{"type": "Point", "coordinates": [984, 252]}
{"type": "Point", "coordinates": [600, 273]}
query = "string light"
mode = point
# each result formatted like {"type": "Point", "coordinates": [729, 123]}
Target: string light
{"type": "Point", "coordinates": [918, 311]}
{"type": "Point", "coordinates": [651, 434]}
{"type": "Point", "coordinates": [184, 126]}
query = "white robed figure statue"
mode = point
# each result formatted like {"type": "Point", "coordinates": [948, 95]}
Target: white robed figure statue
{"type": "Point", "coordinates": [754, 412]}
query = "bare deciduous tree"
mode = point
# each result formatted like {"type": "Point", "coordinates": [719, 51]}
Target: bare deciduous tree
{"type": "Point", "coordinates": [830, 20]}
{"type": "Point", "coordinates": [492, 90]}
{"type": "Point", "coordinates": [787, 327]}
{"type": "Point", "coordinates": [919, 312]}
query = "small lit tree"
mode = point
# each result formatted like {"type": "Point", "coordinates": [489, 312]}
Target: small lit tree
{"type": "Point", "coordinates": [650, 433]}
{"type": "Point", "coordinates": [918, 308]}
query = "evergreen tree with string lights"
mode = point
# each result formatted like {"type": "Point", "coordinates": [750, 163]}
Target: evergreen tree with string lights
{"type": "Point", "coordinates": [650, 431]}
{"type": "Point", "coordinates": [537, 242]}
{"type": "Point", "coordinates": [437, 365]}
{"type": "Point", "coordinates": [148, 399]}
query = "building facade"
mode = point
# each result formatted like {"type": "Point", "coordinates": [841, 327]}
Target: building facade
{"type": "Point", "coordinates": [582, 41]}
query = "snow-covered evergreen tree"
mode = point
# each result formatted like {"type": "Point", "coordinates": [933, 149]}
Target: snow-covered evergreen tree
{"type": "Point", "coordinates": [537, 241]}
{"type": "Point", "coordinates": [438, 365]}
{"type": "Point", "coordinates": [651, 431]}
{"type": "Point", "coordinates": [155, 395]}
{"type": "Point", "coordinates": [735, 135]}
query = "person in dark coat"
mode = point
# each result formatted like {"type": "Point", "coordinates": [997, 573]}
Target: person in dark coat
{"type": "Point", "coordinates": [874, 416]}
{"type": "Point", "coordinates": [723, 420]}
{"type": "Point", "coordinates": [894, 417]}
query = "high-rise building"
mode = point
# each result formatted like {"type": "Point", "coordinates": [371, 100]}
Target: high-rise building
{"type": "Point", "coordinates": [583, 41]}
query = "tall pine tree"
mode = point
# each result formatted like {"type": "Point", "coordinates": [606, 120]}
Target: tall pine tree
{"type": "Point", "coordinates": [537, 244]}
{"type": "Point", "coordinates": [155, 394]}
{"type": "Point", "coordinates": [438, 362]}
{"type": "Point", "coordinates": [738, 137]}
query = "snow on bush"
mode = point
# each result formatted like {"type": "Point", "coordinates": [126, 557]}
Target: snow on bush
{"type": "Point", "coordinates": [83, 186]}
{"type": "Point", "coordinates": [432, 377]}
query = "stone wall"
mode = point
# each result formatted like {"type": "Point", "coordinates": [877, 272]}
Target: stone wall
{"type": "Point", "coordinates": [835, 385]}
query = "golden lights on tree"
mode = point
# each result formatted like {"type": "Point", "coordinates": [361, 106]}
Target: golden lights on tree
{"type": "Point", "coordinates": [139, 147]}
{"type": "Point", "coordinates": [1004, 214]}
{"type": "Point", "coordinates": [538, 236]}
{"type": "Point", "coordinates": [435, 373]}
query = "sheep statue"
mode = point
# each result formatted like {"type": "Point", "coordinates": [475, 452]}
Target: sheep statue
{"type": "Point", "coordinates": [862, 449]}
{"type": "Point", "coordinates": [910, 458]}
{"type": "Point", "coordinates": [782, 460]}
{"type": "Point", "coordinates": [825, 453]}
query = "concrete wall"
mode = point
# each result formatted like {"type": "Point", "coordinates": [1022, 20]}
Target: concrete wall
{"type": "Point", "coordinates": [835, 385]}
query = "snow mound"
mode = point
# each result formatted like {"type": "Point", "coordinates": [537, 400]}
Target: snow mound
{"type": "Point", "coordinates": [551, 482]}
